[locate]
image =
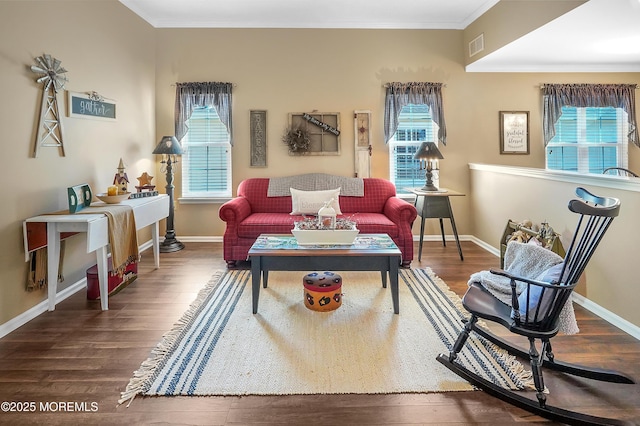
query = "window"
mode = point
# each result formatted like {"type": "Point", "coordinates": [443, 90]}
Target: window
{"type": "Point", "coordinates": [206, 163]}
{"type": "Point", "coordinates": [588, 140]}
{"type": "Point", "coordinates": [415, 125]}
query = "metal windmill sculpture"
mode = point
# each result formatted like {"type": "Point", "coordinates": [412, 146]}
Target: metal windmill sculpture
{"type": "Point", "coordinates": [50, 125]}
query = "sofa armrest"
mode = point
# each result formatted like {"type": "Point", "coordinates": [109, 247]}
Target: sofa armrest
{"type": "Point", "coordinates": [234, 211]}
{"type": "Point", "coordinates": [400, 211]}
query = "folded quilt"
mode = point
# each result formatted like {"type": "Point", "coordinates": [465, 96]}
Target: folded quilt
{"type": "Point", "coordinates": [527, 261]}
{"type": "Point", "coordinates": [349, 187]}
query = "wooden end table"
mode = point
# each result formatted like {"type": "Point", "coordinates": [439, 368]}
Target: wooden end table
{"type": "Point", "coordinates": [369, 252]}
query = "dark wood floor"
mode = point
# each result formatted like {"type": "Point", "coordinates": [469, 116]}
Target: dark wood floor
{"type": "Point", "coordinates": [79, 354]}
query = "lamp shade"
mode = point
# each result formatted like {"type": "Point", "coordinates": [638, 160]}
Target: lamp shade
{"type": "Point", "coordinates": [168, 145]}
{"type": "Point", "coordinates": [428, 151]}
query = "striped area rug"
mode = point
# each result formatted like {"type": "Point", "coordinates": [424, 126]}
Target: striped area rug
{"type": "Point", "coordinates": [220, 348]}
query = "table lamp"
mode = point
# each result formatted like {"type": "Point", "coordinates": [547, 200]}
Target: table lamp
{"type": "Point", "coordinates": [170, 147]}
{"type": "Point", "coordinates": [429, 152]}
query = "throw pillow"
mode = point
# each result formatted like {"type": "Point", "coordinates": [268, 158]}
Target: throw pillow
{"type": "Point", "coordinates": [534, 293]}
{"type": "Point", "coordinates": [309, 202]}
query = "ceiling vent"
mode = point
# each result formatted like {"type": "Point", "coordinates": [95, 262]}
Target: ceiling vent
{"type": "Point", "coordinates": [476, 45]}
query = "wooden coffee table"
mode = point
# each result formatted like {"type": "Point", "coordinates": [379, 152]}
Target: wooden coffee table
{"type": "Point", "coordinates": [369, 252]}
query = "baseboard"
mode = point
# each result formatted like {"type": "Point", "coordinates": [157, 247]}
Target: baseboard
{"type": "Point", "coordinates": [43, 306]}
{"type": "Point", "coordinates": [607, 315]}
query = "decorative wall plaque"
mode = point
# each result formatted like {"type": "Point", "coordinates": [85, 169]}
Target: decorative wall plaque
{"type": "Point", "coordinates": [258, 137]}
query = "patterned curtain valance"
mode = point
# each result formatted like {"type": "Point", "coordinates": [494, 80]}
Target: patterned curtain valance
{"type": "Point", "coordinates": [418, 93]}
{"type": "Point", "coordinates": [555, 96]}
{"type": "Point", "coordinates": [193, 95]}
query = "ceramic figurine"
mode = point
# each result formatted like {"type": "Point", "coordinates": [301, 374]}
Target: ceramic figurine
{"type": "Point", "coordinates": [121, 180]}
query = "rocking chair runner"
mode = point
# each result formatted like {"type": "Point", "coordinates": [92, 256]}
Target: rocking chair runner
{"type": "Point", "coordinates": [535, 312]}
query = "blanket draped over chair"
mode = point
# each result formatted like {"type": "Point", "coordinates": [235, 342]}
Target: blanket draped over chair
{"type": "Point", "coordinates": [349, 187]}
{"type": "Point", "coordinates": [527, 261]}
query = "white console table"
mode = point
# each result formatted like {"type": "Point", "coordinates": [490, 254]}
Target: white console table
{"type": "Point", "coordinates": [147, 211]}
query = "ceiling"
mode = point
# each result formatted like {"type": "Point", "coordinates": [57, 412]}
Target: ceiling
{"type": "Point", "coordinates": [598, 36]}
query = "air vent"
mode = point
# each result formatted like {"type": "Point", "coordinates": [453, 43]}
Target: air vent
{"type": "Point", "coordinates": [476, 45]}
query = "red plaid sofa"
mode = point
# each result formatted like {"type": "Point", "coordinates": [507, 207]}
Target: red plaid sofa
{"type": "Point", "coordinates": [252, 213]}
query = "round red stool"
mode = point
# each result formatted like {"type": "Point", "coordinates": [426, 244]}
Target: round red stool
{"type": "Point", "coordinates": [322, 291]}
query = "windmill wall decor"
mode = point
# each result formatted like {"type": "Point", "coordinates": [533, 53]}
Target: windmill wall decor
{"type": "Point", "coordinates": [50, 124]}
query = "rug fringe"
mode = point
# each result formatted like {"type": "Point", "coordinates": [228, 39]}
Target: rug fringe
{"type": "Point", "coordinates": [145, 375]}
{"type": "Point", "coordinates": [518, 373]}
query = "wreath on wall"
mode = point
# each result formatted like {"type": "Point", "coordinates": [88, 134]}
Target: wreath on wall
{"type": "Point", "coordinates": [297, 138]}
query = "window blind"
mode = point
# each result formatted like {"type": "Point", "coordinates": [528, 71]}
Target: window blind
{"type": "Point", "coordinates": [206, 163]}
{"type": "Point", "coordinates": [415, 125]}
{"type": "Point", "coordinates": [588, 140]}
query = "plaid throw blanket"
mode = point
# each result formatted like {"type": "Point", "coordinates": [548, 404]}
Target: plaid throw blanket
{"type": "Point", "coordinates": [349, 187]}
{"type": "Point", "coordinates": [123, 238]}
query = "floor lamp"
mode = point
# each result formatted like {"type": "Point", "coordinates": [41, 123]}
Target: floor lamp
{"type": "Point", "coordinates": [170, 147]}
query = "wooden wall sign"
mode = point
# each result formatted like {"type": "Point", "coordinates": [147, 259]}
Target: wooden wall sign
{"type": "Point", "coordinates": [90, 105]}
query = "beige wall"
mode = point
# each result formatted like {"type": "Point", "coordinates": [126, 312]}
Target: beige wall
{"type": "Point", "coordinates": [285, 71]}
{"type": "Point", "coordinates": [509, 20]}
{"type": "Point", "coordinates": [106, 49]}
{"type": "Point", "coordinates": [278, 70]}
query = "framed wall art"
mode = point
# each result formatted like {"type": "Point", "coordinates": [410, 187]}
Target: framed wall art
{"type": "Point", "coordinates": [258, 137]}
{"type": "Point", "coordinates": [514, 132]}
{"type": "Point", "coordinates": [323, 129]}
{"type": "Point", "coordinates": [90, 105]}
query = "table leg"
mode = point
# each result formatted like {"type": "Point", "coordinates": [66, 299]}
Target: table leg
{"type": "Point", "coordinates": [393, 275]}
{"type": "Point", "coordinates": [53, 257]}
{"type": "Point", "coordinates": [255, 281]}
{"type": "Point", "coordinates": [421, 239]}
{"type": "Point", "coordinates": [384, 279]}
{"type": "Point", "coordinates": [155, 239]}
{"type": "Point", "coordinates": [444, 242]}
{"type": "Point", "coordinates": [103, 277]}
{"type": "Point", "coordinates": [453, 226]}
{"type": "Point", "coordinates": [265, 278]}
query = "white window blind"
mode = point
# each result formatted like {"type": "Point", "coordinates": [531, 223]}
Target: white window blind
{"type": "Point", "coordinates": [588, 140]}
{"type": "Point", "coordinates": [415, 126]}
{"type": "Point", "coordinates": [206, 164]}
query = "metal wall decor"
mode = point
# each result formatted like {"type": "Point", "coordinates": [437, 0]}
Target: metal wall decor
{"type": "Point", "coordinates": [52, 77]}
{"type": "Point", "coordinates": [258, 137]}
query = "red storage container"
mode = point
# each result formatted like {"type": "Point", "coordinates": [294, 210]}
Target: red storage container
{"type": "Point", "coordinates": [116, 283]}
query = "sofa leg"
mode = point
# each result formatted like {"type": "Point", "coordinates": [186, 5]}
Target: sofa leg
{"type": "Point", "coordinates": [231, 264]}
{"type": "Point", "coordinates": [406, 264]}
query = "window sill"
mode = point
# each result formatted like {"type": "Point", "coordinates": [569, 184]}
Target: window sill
{"type": "Point", "coordinates": [203, 200]}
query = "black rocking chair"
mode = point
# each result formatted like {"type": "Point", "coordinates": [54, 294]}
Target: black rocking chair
{"type": "Point", "coordinates": [535, 315]}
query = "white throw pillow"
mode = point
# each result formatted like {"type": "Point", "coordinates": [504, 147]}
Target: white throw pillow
{"type": "Point", "coordinates": [309, 202]}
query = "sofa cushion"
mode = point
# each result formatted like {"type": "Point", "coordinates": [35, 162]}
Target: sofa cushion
{"type": "Point", "coordinates": [267, 223]}
{"type": "Point", "coordinates": [309, 202]}
{"type": "Point", "coordinates": [373, 223]}
{"type": "Point", "coordinates": [279, 223]}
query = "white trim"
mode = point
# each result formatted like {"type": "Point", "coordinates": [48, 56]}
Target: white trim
{"type": "Point", "coordinates": [42, 307]}
{"type": "Point", "coordinates": [203, 200]}
{"type": "Point", "coordinates": [607, 315]}
{"type": "Point", "coordinates": [596, 309]}
{"type": "Point", "coordinates": [603, 181]}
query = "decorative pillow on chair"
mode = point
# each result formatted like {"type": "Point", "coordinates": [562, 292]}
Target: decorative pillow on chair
{"type": "Point", "coordinates": [309, 202]}
{"type": "Point", "coordinates": [534, 292]}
